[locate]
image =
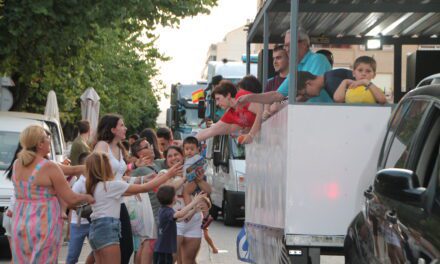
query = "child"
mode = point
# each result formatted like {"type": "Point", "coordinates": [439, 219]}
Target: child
{"type": "Point", "coordinates": [362, 90]}
{"type": "Point", "coordinates": [79, 227]}
{"type": "Point", "coordinates": [190, 149]}
{"type": "Point", "coordinates": [105, 228]}
{"type": "Point", "coordinates": [207, 219]}
{"type": "Point", "coordinates": [166, 243]}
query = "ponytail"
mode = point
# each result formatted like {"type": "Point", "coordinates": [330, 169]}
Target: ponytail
{"type": "Point", "coordinates": [26, 157]}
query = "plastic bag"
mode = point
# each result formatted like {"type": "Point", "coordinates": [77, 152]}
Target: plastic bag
{"type": "Point", "coordinates": [141, 215]}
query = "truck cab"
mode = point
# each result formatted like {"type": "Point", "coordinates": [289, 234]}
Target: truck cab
{"type": "Point", "coordinates": [226, 174]}
{"type": "Point", "coordinates": [182, 116]}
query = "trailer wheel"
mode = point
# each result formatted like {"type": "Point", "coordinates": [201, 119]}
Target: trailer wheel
{"type": "Point", "coordinates": [228, 218]}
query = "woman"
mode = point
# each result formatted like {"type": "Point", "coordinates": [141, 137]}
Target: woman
{"type": "Point", "coordinates": [246, 119]}
{"type": "Point", "coordinates": [151, 137]}
{"type": "Point", "coordinates": [189, 234]}
{"type": "Point", "coordinates": [37, 223]}
{"type": "Point", "coordinates": [110, 133]}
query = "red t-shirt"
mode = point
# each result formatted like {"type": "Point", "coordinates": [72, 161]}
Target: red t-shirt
{"type": "Point", "coordinates": [241, 117]}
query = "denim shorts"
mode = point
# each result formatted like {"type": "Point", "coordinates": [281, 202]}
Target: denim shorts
{"type": "Point", "coordinates": [104, 232]}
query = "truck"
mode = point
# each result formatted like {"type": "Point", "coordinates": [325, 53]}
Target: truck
{"type": "Point", "coordinates": [225, 157]}
{"type": "Point", "coordinates": [307, 170]}
{"type": "Point", "coordinates": [182, 116]}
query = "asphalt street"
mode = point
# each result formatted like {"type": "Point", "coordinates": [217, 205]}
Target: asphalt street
{"type": "Point", "coordinates": [223, 236]}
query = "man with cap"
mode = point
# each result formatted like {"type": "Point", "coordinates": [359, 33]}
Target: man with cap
{"type": "Point", "coordinates": [314, 63]}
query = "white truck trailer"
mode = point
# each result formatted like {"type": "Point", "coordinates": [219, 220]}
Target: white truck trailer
{"type": "Point", "coordinates": [307, 170]}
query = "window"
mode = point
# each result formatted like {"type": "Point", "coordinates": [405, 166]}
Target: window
{"type": "Point", "coordinates": [8, 146]}
{"type": "Point", "coordinates": [56, 138]}
{"type": "Point", "coordinates": [238, 150]}
{"type": "Point", "coordinates": [399, 113]}
{"type": "Point", "coordinates": [426, 157]}
{"type": "Point", "coordinates": [404, 135]}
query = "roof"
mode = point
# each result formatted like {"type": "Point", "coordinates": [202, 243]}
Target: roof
{"type": "Point", "coordinates": [429, 90]}
{"type": "Point", "coordinates": [16, 124]}
{"type": "Point", "coordinates": [25, 115]}
{"type": "Point", "coordinates": [347, 21]}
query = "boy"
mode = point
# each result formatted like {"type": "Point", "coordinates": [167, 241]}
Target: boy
{"type": "Point", "coordinates": [166, 243]}
{"type": "Point", "coordinates": [360, 90]}
{"type": "Point", "coordinates": [190, 149]}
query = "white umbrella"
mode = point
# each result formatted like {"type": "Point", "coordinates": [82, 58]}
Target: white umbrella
{"type": "Point", "coordinates": [90, 108]}
{"type": "Point", "coordinates": [51, 110]}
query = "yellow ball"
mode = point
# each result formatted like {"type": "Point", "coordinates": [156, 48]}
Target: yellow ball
{"type": "Point", "coordinates": [359, 95]}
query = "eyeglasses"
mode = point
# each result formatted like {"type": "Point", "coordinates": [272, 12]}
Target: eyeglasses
{"type": "Point", "coordinates": [148, 146]}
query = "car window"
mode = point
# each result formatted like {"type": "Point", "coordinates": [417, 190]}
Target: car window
{"type": "Point", "coordinates": [404, 135]}
{"type": "Point", "coordinates": [57, 145]}
{"type": "Point", "coordinates": [225, 149]}
{"type": "Point", "coordinates": [394, 122]}
{"type": "Point", "coordinates": [426, 153]}
{"type": "Point", "coordinates": [238, 150]}
{"type": "Point", "coordinates": [426, 82]}
{"type": "Point", "coordinates": [8, 146]}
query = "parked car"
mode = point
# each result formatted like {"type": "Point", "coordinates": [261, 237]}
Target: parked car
{"type": "Point", "coordinates": [400, 220]}
{"type": "Point", "coordinates": [432, 79]}
{"type": "Point", "coordinates": [11, 125]}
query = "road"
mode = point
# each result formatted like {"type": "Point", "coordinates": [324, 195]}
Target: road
{"type": "Point", "coordinates": [225, 239]}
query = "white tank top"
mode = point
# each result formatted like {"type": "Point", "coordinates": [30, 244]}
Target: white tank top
{"type": "Point", "coordinates": [118, 166]}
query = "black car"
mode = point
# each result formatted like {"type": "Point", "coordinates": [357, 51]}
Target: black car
{"type": "Point", "coordinates": [400, 220]}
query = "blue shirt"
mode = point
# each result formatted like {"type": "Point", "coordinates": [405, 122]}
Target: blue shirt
{"type": "Point", "coordinates": [316, 64]}
{"type": "Point", "coordinates": [167, 232]}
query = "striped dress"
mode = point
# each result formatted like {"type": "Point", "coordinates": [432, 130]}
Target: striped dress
{"type": "Point", "coordinates": [37, 223]}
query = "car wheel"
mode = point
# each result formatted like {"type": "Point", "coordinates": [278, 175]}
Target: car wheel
{"type": "Point", "coordinates": [228, 218]}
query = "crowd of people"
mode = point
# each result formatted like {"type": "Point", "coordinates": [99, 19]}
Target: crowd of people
{"type": "Point", "coordinates": [132, 195]}
{"type": "Point", "coordinates": [123, 199]}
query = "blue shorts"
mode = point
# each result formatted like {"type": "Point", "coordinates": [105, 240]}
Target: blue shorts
{"type": "Point", "coordinates": [104, 232]}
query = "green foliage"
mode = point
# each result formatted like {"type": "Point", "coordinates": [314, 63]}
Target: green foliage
{"type": "Point", "coordinates": [70, 45]}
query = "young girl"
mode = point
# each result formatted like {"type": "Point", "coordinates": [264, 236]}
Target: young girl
{"type": "Point", "coordinates": [105, 228]}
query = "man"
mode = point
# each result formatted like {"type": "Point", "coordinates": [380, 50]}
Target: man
{"type": "Point", "coordinates": [80, 144]}
{"type": "Point", "coordinates": [166, 139]}
{"type": "Point", "coordinates": [281, 66]}
{"type": "Point", "coordinates": [309, 61]}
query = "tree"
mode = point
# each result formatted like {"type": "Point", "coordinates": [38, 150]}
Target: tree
{"type": "Point", "coordinates": [71, 45]}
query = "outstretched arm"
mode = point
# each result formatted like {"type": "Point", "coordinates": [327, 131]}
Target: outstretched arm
{"type": "Point", "coordinates": [219, 128]}
{"type": "Point", "coordinates": [263, 98]}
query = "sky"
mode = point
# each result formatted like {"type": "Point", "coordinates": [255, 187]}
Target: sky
{"type": "Point", "coordinates": [188, 45]}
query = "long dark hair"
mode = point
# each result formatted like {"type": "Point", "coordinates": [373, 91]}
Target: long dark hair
{"type": "Point", "coordinates": [176, 148]}
{"type": "Point", "coordinates": [8, 171]}
{"type": "Point", "coordinates": [104, 131]}
{"type": "Point", "coordinates": [151, 137]}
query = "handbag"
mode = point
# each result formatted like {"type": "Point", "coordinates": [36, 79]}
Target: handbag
{"type": "Point", "coordinates": [141, 215]}
{"type": "Point", "coordinates": [84, 211]}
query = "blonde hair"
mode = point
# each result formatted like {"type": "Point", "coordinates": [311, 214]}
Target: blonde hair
{"type": "Point", "coordinates": [98, 169]}
{"type": "Point", "coordinates": [29, 139]}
